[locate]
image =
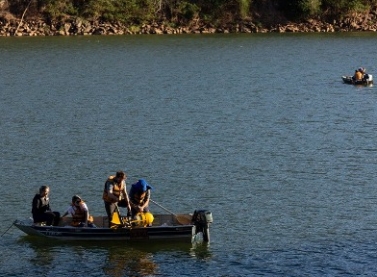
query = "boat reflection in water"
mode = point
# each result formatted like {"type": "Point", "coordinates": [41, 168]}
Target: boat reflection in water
{"type": "Point", "coordinates": [112, 258]}
{"type": "Point", "coordinates": [129, 262]}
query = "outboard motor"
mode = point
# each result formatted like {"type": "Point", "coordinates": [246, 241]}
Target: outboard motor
{"type": "Point", "coordinates": [202, 219]}
{"type": "Point", "coordinates": [368, 78]}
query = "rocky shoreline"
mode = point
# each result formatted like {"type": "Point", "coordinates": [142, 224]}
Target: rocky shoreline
{"type": "Point", "coordinates": [77, 26]}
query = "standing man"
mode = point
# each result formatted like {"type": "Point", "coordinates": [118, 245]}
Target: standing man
{"type": "Point", "coordinates": [115, 194]}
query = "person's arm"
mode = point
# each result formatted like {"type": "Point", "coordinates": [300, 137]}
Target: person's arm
{"type": "Point", "coordinates": [131, 199]}
{"type": "Point", "coordinates": [86, 217]}
{"type": "Point", "coordinates": [48, 207]}
{"type": "Point", "coordinates": [134, 206]}
{"type": "Point", "coordinates": [146, 199]}
{"type": "Point", "coordinates": [126, 198]}
{"type": "Point", "coordinates": [68, 212]}
{"type": "Point", "coordinates": [85, 209]}
{"type": "Point", "coordinates": [110, 193]}
{"type": "Point", "coordinates": [36, 204]}
{"type": "Point", "coordinates": [65, 214]}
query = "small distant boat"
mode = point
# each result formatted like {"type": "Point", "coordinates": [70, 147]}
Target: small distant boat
{"type": "Point", "coordinates": [165, 227]}
{"type": "Point", "coordinates": [366, 81]}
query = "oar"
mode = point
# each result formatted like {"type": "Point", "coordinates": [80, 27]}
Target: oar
{"type": "Point", "coordinates": [183, 220]}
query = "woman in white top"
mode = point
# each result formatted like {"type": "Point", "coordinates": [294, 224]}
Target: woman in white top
{"type": "Point", "coordinates": [79, 212]}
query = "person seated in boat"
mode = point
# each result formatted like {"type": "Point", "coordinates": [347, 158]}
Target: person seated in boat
{"type": "Point", "coordinates": [115, 195]}
{"type": "Point", "coordinates": [358, 76]}
{"type": "Point", "coordinates": [139, 197]}
{"type": "Point", "coordinates": [41, 209]}
{"type": "Point", "coordinates": [80, 213]}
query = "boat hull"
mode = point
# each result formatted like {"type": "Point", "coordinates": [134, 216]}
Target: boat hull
{"type": "Point", "coordinates": [364, 82]}
{"type": "Point", "coordinates": [184, 227]}
{"type": "Point", "coordinates": [181, 232]}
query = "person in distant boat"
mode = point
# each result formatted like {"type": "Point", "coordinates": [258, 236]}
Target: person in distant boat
{"type": "Point", "coordinates": [364, 73]}
{"type": "Point", "coordinates": [358, 75]}
{"type": "Point", "coordinates": [41, 209]}
{"type": "Point", "coordinates": [115, 194]}
{"type": "Point", "coordinates": [80, 213]}
{"type": "Point", "coordinates": [139, 197]}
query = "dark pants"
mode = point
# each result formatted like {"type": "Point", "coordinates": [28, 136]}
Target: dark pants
{"type": "Point", "coordinates": [110, 208]}
{"type": "Point", "coordinates": [51, 218]}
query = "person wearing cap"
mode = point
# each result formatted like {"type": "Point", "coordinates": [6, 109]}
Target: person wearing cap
{"type": "Point", "coordinates": [41, 209]}
{"type": "Point", "coordinates": [139, 197]}
{"type": "Point", "coordinates": [79, 212]}
{"type": "Point", "coordinates": [115, 194]}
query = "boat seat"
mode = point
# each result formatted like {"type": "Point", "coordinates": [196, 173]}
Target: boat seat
{"type": "Point", "coordinates": [99, 221]}
{"type": "Point", "coordinates": [64, 221]}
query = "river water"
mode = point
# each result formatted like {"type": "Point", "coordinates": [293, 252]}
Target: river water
{"type": "Point", "coordinates": [259, 129]}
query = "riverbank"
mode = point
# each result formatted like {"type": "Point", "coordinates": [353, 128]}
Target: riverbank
{"type": "Point", "coordinates": [79, 26]}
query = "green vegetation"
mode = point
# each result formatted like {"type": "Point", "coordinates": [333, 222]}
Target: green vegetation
{"type": "Point", "coordinates": [185, 11]}
{"type": "Point", "coordinates": [332, 9]}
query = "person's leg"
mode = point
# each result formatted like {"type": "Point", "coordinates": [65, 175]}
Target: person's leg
{"type": "Point", "coordinates": [56, 218]}
{"type": "Point", "coordinates": [38, 218]}
{"type": "Point", "coordinates": [49, 218]}
{"type": "Point", "coordinates": [110, 208]}
{"type": "Point", "coordinates": [124, 204]}
{"type": "Point", "coordinates": [133, 212]}
{"type": "Point", "coordinates": [108, 211]}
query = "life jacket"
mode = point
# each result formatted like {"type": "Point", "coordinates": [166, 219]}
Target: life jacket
{"type": "Point", "coordinates": [140, 192]}
{"type": "Point", "coordinates": [79, 216]}
{"type": "Point", "coordinates": [359, 75]}
{"type": "Point", "coordinates": [40, 204]}
{"type": "Point", "coordinates": [139, 197]}
{"type": "Point", "coordinates": [117, 189]}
